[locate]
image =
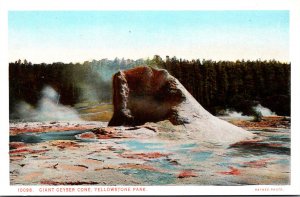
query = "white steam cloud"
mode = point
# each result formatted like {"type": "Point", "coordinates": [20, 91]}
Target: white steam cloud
{"type": "Point", "coordinates": [48, 108]}
{"type": "Point", "coordinates": [264, 111]}
{"type": "Point", "coordinates": [236, 115]}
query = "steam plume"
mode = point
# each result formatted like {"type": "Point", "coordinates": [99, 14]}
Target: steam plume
{"type": "Point", "coordinates": [48, 108]}
{"type": "Point", "coordinates": [264, 111]}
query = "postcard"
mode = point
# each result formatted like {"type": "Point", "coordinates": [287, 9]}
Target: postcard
{"type": "Point", "coordinates": [128, 97]}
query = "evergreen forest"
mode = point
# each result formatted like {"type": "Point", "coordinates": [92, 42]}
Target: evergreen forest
{"type": "Point", "coordinates": [216, 85]}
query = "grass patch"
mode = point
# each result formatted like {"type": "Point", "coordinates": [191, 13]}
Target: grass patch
{"type": "Point", "coordinates": [101, 112]}
{"type": "Point", "coordinates": [96, 108]}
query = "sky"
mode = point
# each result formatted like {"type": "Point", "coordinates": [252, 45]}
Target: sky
{"type": "Point", "coordinates": [77, 36]}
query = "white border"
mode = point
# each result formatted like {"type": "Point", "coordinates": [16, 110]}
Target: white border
{"type": "Point", "coordinates": [148, 5]}
{"type": "Point", "coordinates": [292, 5]}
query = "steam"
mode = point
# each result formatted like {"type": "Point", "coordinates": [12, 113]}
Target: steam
{"type": "Point", "coordinates": [97, 86]}
{"type": "Point", "coordinates": [89, 93]}
{"type": "Point", "coordinates": [230, 114]}
{"type": "Point", "coordinates": [48, 108]}
{"type": "Point", "coordinates": [236, 115]}
{"type": "Point", "coordinates": [264, 111]}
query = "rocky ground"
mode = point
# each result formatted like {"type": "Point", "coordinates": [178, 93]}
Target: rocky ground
{"type": "Point", "coordinates": [268, 122]}
{"type": "Point", "coordinates": [90, 153]}
{"type": "Point", "coordinates": [37, 127]}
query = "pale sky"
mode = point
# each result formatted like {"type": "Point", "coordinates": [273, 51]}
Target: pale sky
{"type": "Point", "coordinates": [77, 36]}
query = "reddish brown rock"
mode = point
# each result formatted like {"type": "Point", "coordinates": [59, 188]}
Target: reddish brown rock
{"type": "Point", "coordinates": [26, 150]}
{"type": "Point", "coordinates": [87, 135]}
{"type": "Point", "coordinates": [65, 144]}
{"type": "Point", "coordinates": [232, 171]}
{"type": "Point", "coordinates": [259, 144]}
{"type": "Point", "coordinates": [17, 151]}
{"type": "Point", "coordinates": [104, 130]}
{"type": "Point", "coordinates": [145, 94]}
{"type": "Point", "coordinates": [268, 122]}
{"type": "Point", "coordinates": [107, 133]}
{"type": "Point", "coordinates": [58, 127]}
{"type": "Point", "coordinates": [79, 168]}
{"type": "Point", "coordinates": [186, 174]}
{"type": "Point", "coordinates": [258, 163]}
{"type": "Point", "coordinates": [16, 145]}
{"type": "Point", "coordinates": [150, 155]}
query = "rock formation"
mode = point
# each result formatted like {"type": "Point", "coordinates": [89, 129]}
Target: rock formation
{"type": "Point", "coordinates": [145, 94]}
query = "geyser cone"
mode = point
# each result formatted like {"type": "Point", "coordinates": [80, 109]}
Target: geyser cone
{"type": "Point", "coordinates": [145, 94]}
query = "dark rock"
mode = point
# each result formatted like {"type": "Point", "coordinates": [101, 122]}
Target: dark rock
{"type": "Point", "coordinates": [186, 174]}
{"type": "Point", "coordinates": [82, 166]}
{"type": "Point", "coordinates": [145, 94]}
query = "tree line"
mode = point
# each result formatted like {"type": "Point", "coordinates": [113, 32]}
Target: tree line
{"type": "Point", "coordinates": [216, 85]}
{"type": "Point", "coordinates": [237, 85]}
